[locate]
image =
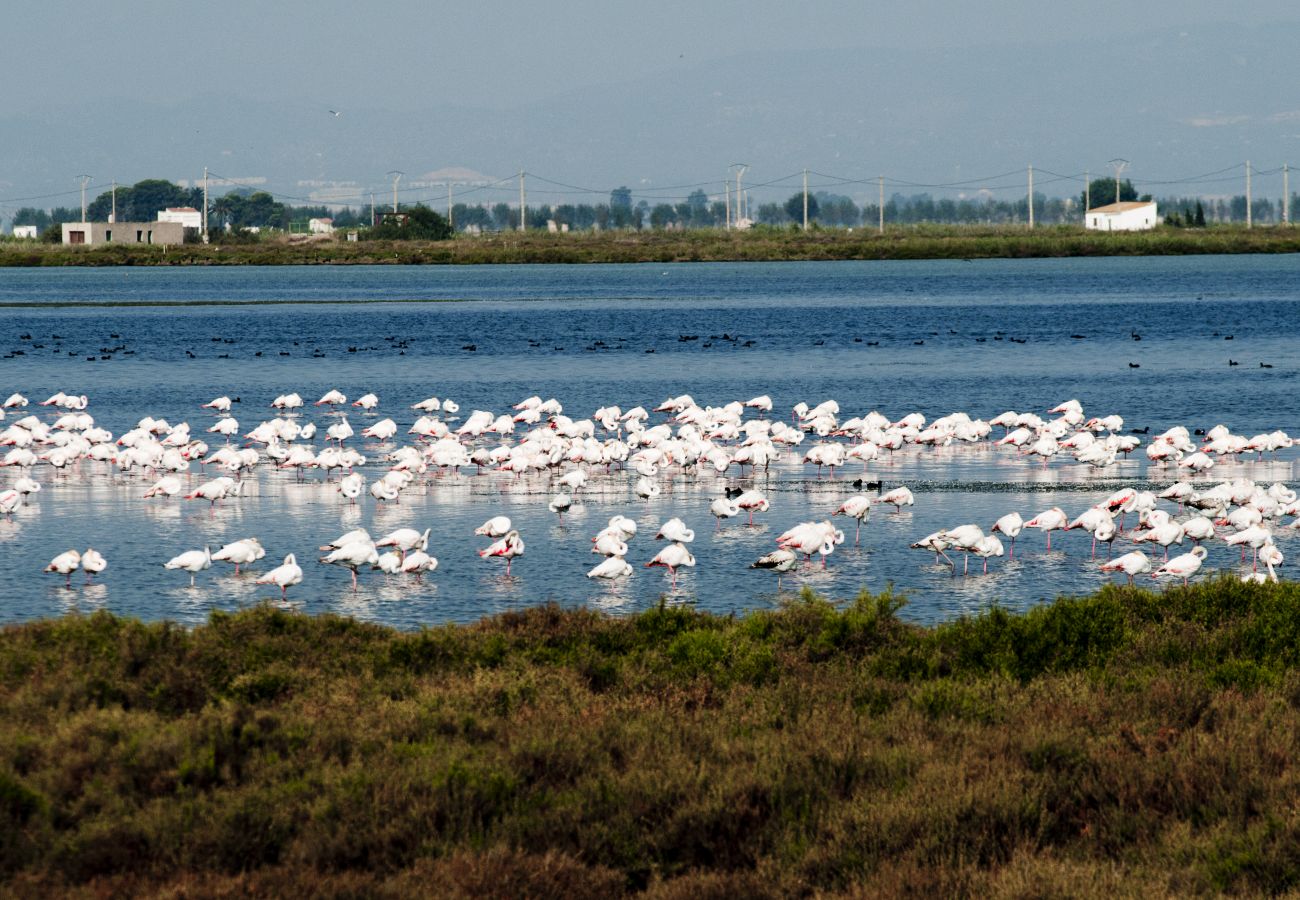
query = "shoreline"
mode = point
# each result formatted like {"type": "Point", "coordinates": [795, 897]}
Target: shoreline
{"type": "Point", "coordinates": [759, 245]}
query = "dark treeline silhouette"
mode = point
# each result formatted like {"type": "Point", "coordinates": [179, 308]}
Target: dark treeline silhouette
{"type": "Point", "coordinates": [245, 208]}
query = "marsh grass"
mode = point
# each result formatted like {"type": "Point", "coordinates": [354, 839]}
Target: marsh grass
{"type": "Point", "coordinates": [1123, 743]}
{"type": "Point", "coordinates": [759, 244]}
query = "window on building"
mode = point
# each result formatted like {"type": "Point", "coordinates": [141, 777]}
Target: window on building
{"type": "Point", "coordinates": [76, 237]}
{"type": "Point", "coordinates": [139, 235]}
{"type": "Point", "coordinates": [108, 237]}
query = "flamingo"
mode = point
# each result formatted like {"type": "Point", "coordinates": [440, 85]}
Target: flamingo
{"type": "Point", "coordinates": [418, 562]}
{"type": "Point", "coordinates": [241, 553]}
{"type": "Point", "coordinates": [1010, 525]}
{"type": "Point", "coordinates": [65, 564]}
{"type": "Point", "coordinates": [779, 561]}
{"type": "Point", "coordinates": [1133, 563]}
{"type": "Point", "coordinates": [10, 500]}
{"type": "Point", "coordinates": [1184, 566]}
{"type": "Point", "coordinates": [283, 576]}
{"type": "Point", "coordinates": [559, 504]}
{"type": "Point", "coordinates": [192, 561]}
{"type": "Point", "coordinates": [723, 508]}
{"type": "Point", "coordinates": [751, 502]}
{"type": "Point", "coordinates": [986, 547]}
{"type": "Point", "coordinates": [495, 527]}
{"type": "Point", "coordinates": [608, 544]}
{"type": "Point", "coordinates": [856, 507]}
{"type": "Point", "coordinates": [675, 530]}
{"type": "Point", "coordinates": [673, 557]}
{"type": "Point", "coordinates": [353, 555]}
{"type": "Point", "coordinates": [351, 486]}
{"type": "Point", "coordinates": [897, 498]}
{"type": "Point", "coordinates": [510, 546]}
{"type": "Point", "coordinates": [937, 543]}
{"type": "Point", "coordinates": [964, 538]}
{"type": "Point", "coordinates": [1048, 521]}
{"type": "Point", "coordinates": [611, 567]}
{"type": "Point", "coordinates": [405, 540]}
{"type": "Point", "coordinates": [332, 398]}
{"type": "Point", "coordinates": [356, 535]}
{"type": "Point", "coordinates": [92, 563]}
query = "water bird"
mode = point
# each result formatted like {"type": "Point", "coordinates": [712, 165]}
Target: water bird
{"type": "Point", "coordinates": [353, 555]}
{"type": "Point", "coordinates": [610, 568]}
{"type": "Point", "coordinates": [495, 527]}
{"type": "Point", "coordinates": [1010, 525]}
{"type": "Point", "coordinates": [856, 507]}
{"type": "Point", "coordinates": [510, 546]}
{"type": "Point", "coordinates": [1184, 566]}
{"type": "Point", "coordinates": [65, 564]}
{"type": "Point", "coordinates": [192, 561]}
{"type": "Point", "coordinates": [1131, 564]}
{"type": "Point", "coordinates": [778, 561]}
{"type": "Point", "coordinates": [283, 576]}
{"type": "Point", "coordinates": [673, 557]}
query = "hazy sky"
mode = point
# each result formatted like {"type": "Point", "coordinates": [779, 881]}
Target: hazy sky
{"type": "Point", "coordinates": [606, 92]}
{"type": "Point", "coordinates": [413, 52]}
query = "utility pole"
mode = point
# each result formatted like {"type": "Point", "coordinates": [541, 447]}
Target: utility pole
{"type": "Point", "coordinates": [112, 217]}
{"type": "Point", "coordinates": [740, 171]}
{"type": "Point", "coordinates": [882, 203]}
{"type": "Point", "coordinates": [1119, 165]}
{"type": "Point", "coordinates": [449, 221]}
{"type": "Point", "coordinates": [523, 203]}
{"type": "Point", "coordinates": [1087, 190]}
{"type": "Point", "coordinates": [85, 180]}
{"type": "Point", "coordinates": [1031, 196]}
{"type": "Point", "coordinates": [805, 199]}
{"type": "Point", "coordinates": [726, 189]}
{"type": "Point", "coordinates": [1249, 222]}
{"type": "Point", "coordinates": [1286, 194]}
{"type": "Point", "coordinates": [205, 204]}
{"type": "Point", "coordinates": [372, 209]}
{"type": "Point", "coordinates": [397, 176]}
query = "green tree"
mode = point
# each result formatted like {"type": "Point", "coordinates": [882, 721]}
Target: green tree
{"type": "Point", "coordinates": [794, 207]}
{"type": "Point", "coordinates": [1101, 191]}
{"type": "Point", "coordinates": [1200, 215]}
{"type": "Point", "coordinates": [662, 215]}
{"type": "Point", "coordinates": [414, 223]}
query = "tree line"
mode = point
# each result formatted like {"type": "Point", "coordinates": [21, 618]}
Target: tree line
{"type": "Point", "coordinates": [243, 209]}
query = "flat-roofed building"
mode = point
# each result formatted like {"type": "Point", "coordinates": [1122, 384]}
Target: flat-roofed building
{"type": "Point", "coordinates": [93, 234]}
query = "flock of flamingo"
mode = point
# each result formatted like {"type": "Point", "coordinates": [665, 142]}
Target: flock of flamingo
{"type": "Point", "coordinates": [535, 439]}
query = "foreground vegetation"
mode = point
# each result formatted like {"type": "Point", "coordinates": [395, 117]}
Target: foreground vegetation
{"type": "Point", "coordinates": [1127, 743]}
{"type": "Point", "coordinates": [759, 244]}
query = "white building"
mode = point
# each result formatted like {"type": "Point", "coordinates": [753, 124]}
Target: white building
{"type": "Point", "coordinates": [320, 226]}
{"type": "Point", "coordinates": [185, 216]}
{"type": "Point", "coordinates": [25, 231]}
{"type": "Point", "coordinates": [1130, 215]}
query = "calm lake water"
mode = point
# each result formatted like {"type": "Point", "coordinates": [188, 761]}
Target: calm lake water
{"type": "Point", "coordinates": [1149, 339]}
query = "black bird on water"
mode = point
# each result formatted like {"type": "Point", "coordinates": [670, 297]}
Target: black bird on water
{"type": "Point", "coordinates": [868, 485]}
{"type": "Point", "coordinates": [1134, 366]}
{"type": "Point", "coordinates": [1233, 362]}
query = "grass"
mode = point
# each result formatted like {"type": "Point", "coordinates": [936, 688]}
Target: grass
{"type": "Point", "coordinates": [760, 244]}
{"type": "Point", "coordinates": [1125, 743]}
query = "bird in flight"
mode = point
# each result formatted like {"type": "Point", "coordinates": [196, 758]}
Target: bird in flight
{"type": "Point", "coordinates": [335, 113]}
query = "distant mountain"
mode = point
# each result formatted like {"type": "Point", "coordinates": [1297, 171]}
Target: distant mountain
{"type": "Point", "coordinates": [1173, 103]}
